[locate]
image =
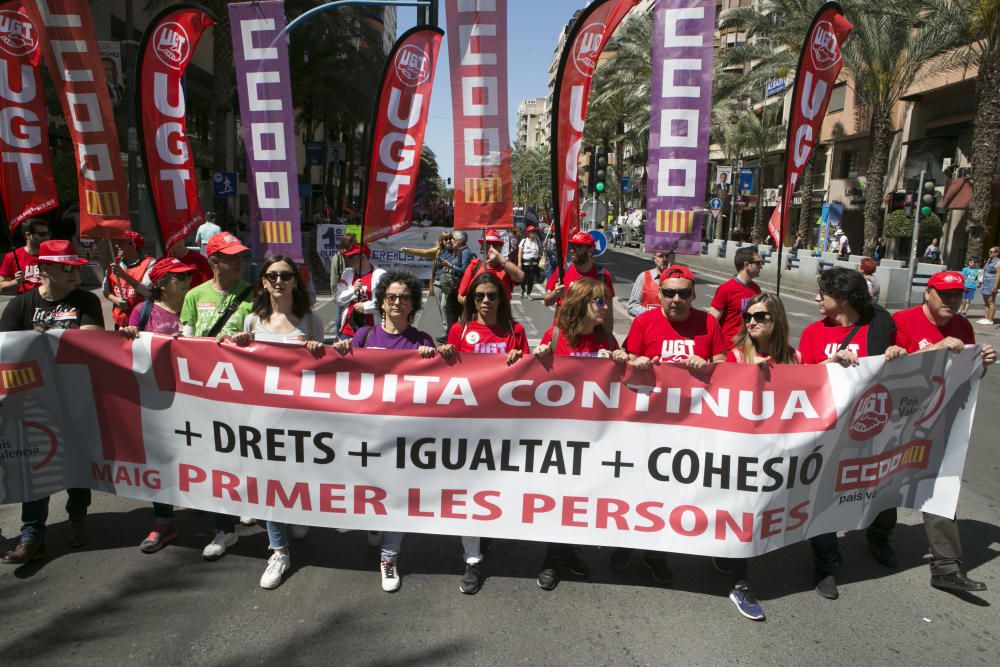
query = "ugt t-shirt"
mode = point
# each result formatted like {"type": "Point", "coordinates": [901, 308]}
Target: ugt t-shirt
{"type": "Point", "coordinates": [731, 300]}
{"type": "Point", "coordinates": [653, 335]}
{"type": "Point", "coordinates": [914, 331]}
{"type": "Point", "coordinates": [29, 311]}
{"type": "Point", "coordinates": [203, 305]}
{"type": "Point", "coordinates": [821, 340]}
{"type": "Point", "coordinates": [481, 339]}
{"type": "Point", "coordinates": [29, 267]}
{"type": "Point", "coordinates": [377, 338]}
{"type": "Point", "coordinates": [587, 345]}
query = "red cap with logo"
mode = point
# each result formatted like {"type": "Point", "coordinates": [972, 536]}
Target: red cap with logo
{"type": "Point", "coordinates": [583, 238]}
{"type": "Point", "coordinates": [168, 265]}
{"type": "Point", "coordinates": [492, 237]}
{"type": "Point", "coordinates": [59, 252]}
{"type": "Point", "coordinates": [135, 238]}
{"type": "Point", "coordinates": [530, 228]}
{"type": "Point", "coordinates": [947, 280]}
{"type": "Point", "coordinates": [358, 248]}
{"type": "Point", "coordinates": [677, 271]}
{"type": "Point", "coordinates": [225, 243]}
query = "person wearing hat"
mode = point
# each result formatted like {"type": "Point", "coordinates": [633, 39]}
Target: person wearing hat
{"type": "Point", "coordinates": [356, 290]}
{"type": "Point", "coordinates": [529, 251]}
{"type": "Point", "coordinates": [127, 283]}
{"type": "Point", "coordinates": [496, 262]}
{"type": "Point", "coordinates": [581, 254]}
{"type": "Point", "coordinates": [19, 270]}
{"type": "Point", "coordinates": [933, 326]}
{"type": "Point", "coordinates": [203, 271]}
{"type": "Point", "coordinates": [58, 303]}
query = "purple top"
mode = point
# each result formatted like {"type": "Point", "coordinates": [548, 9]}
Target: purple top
{"type": "Point", "coordinates": [378, 339]}
{"type": "Point", "coordinates": [161, 320]}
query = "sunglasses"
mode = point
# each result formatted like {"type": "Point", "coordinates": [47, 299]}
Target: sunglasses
{"type": "Point", "coordinates": [274, 276]}
{"type": "Point", "coordinates": [486, 296]}
{"type": "Point", "coordinates": [577, 247]}
{"type": "Point", "coordinates": [68, 268]}
{"type": "Point", "coordinates": [682, 293]}
{"type": "Point", "coordinates": [402, 298]}
{"type": "Point", "coordinates": [758, 317]}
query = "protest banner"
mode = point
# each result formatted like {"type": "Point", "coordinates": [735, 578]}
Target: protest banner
{"type": "Point", "coordinates": [386, 253]}
{"type": "Point", "coordinates": [733, 461]}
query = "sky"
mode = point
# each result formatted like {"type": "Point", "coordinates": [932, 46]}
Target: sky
{"type": "Point", "coordinates": [533, 28]}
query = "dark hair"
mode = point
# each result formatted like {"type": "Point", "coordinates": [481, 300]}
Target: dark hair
{"type": "Point", "coordinates": [867, 266]}
{"type": "Point", "coordinates": [848, 285]}
{"type": "Point", "coordinates": [504, 316]}
{"type": "Point", "coordinates": [31, 225]}
{"type": "Point", "coordinates": [262, 299]}
{"type": "Point", "coordinates": [744, 255]}
{"type": "Point", "coordinates": [412, 286]}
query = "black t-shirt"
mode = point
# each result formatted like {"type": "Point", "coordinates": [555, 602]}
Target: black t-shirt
{"type": "Point", "coordinates": [30, 312]}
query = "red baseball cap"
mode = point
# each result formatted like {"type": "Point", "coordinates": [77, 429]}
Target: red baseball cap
{"type": "Point", "coordinates": [59, 252]}
{"type": "Point", "coordinates": [677, 271]}
{"type": "Point", "coordinates": [225, 243]}
{"type": "Point", "coordinates": [358, 248]}
{"type": "Point", "coordinates": [168, 265]}
{"type": "Point", "coordinates": [947, 280]}
{"type": "Point", "coordinates": [530, 228]}
{"type": "Point", "coordinates": [492, 237]}
{"type": "Point", "coordinates": [135, 238]}
{"type": "Point", "coordinates": [582, 238]}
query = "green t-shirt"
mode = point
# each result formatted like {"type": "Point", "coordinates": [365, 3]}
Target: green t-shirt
{"type": "Point", "coordinates": [203, 305]}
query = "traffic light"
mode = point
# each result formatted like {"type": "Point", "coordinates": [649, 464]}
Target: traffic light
{"type": "Point", "coordinates": [928, 199]}
{"type": "Point", "coordinates": [591, 169]}
{"type": "Point", "coordinates": [601, 169]}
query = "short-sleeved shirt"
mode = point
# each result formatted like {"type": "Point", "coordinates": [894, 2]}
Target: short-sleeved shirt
{"type": "Point", "coordinates": [731, 300]}
{"type": "Point", "coordinates": [29, 267]}
{"type": "Point", "coordinates": [821, 340]}
{"type": "Point", "coordinates": [587, 345]}
{"type": "Point", "coordinates": [481, 339]}
{"type": "Point", "coordinates": [476, 268]}
{"type": "Point", "coordinates": [653, 335]}
{"type": "Point", "coordinates": [203, 305]}
{"type": "Point", "coordinates": [206, 231]}
{"type": "Point", "coordinates": [971, 277]}
{"type": "Point", "coordinates": [310, 327]}
{"type": "Point", "coordinates": [377, 338]}
{"type": "Point", "coordinates": [572, 275]}
{"type": "Point", "coordinates": [30, 312]}
{"type": "Point", "coordinates": [161, 320]}
{"type": "Point", "coordinates": [915, 331]}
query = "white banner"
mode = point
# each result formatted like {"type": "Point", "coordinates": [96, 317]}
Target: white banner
{"type": "Point", "coordinates": [386, 253]}
{"type": "Point", "coordinates": [731, 462]}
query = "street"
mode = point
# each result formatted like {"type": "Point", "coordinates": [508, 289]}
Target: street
{"type": "Point", "coordinates": [108, 603]}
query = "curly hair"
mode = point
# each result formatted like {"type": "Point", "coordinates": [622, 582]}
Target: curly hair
{"type": "Point", "coordinates": [262, 298]}
{"type": "Point", "coordinates": [403, 278]}
{"type": "Point", "coordinates": [573, 312]}
{"type": "Point", "coordinates": [778, 346]}
{"type": "Point", "coordinates": [504, 315]}
{"type": "Point", "coordinates": [867, 266]}
{"type": "Point", "coordinates": [847, 285]}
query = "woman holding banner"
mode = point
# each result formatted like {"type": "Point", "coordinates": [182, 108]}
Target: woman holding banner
{"type": "Point", "coordinates": [281, 314]}
{"type": "Point", "coordinates": [485, 327]}
{"type": "Point", "coordinates": [581, 330]}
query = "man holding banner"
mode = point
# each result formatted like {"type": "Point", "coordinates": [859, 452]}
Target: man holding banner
{"type": "Point", "coordinates": [20, 266]}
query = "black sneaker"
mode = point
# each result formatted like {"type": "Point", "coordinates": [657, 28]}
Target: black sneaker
{"type": "Point", "coordinates": [619, 559]}
{"type": "Point", "coordinates": [548, 578]}
{"type": "Point", "coordinates": [662, 574]}
{"type": "Point", "coordinates": [882, 551]}
{"type": "Point", "coordinates": [472, 580]}
{"type": "Point", "coordinates": [571, 559]}
{"type": "Point", "coordinates": [826, 585]}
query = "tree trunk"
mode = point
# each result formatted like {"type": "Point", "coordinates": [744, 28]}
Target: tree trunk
{"type": "Point", "coordinates": [759, 226]}
{"type": "Point", "coordinates": [985, 151]}
{"type": "Point", "coordinates": [805, 209]}
{"type": "Point", "coordinates": [878, 164]}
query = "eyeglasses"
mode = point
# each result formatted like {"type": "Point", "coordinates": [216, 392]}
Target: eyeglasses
{"type": "Point", "coordinates": [274, 276]}
{"type": "Point", "coordinates": [402, 298]}
{"type": "Point", "coordinates": [486, 296]}
{"type": "Point", "coordinates": [682, 293]}
{"type": "Point", "coordinates": [759, 317]}
{"type": "Point", "coordinates": [600, 302]}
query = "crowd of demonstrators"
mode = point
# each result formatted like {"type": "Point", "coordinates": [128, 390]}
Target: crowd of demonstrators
{"type": "Point", "coordinates": [127, 282]}
{"type": "Point", "coordinates": [645, 294]}
{"type": "Point", "coordinates": [732, 296]}
{"type": "Point", "coordinates": [494, 261]}
{"type": "Point", "coordinates": [19, 271]}
{"type": "Point", "coordinates": [580, 249]}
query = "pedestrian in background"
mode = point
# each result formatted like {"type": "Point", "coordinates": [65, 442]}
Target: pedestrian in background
{"type": "Point", "coordinates": [867, 267]}
{"type": "Point", "coordinates": [990, 284]}
{"type": "Point", "coordinates": [529, 251]}
{"type": "Point", "coordinates": [932, 253]}
{"type": "Point", "coordinates": [205, 231]}
{"type": "Point", "coordinates": [973, 278]}
{"type": "Point", "coordinates": [645, 293]}
{"type": "Point", "coordinates": [732, 296]}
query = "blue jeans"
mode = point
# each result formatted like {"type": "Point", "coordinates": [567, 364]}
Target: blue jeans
{"type": "Point", "coordinates": [35, 513]}
{"type": "Point", "coordinates": [390, 545]}
{"type": "Point", "coordinates": [277, 535]}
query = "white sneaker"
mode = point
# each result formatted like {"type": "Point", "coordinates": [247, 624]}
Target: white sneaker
{"type": "Point", "coordinates": [298, 532]}
{"type": "Point", "coordinates": [374, 538]}
{"type": "Point", "coordinates": [984, 321]}
{"type": "Point", "coordinates": [390, 576]}
{"type": "Point", "coordinates": [248, 520]}
{"type": "Point", "coordinates": [277, 565]}
{"type": "Point", "coordinates": [216, 549]}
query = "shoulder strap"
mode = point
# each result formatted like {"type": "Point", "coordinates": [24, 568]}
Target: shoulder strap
{"type": "Point", "coordinates": [227, 313]}
{"type": "Point", "coordinates": [144, 314]}
{"type": "Point", "coordinates": [850, 336]}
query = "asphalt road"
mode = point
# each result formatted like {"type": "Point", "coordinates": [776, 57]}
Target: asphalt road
{"type": "Point", "coordinates": [108, 603]}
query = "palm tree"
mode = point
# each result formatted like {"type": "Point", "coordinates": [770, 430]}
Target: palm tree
{"type": "Point", "coordinates": [727, 132]}
{"type": "Point", "coordinates": [762, 133]}
{"type": "Point", "coordinates": [532, 173]}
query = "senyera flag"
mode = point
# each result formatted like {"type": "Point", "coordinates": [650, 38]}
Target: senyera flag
{"type": "Point", "coordinates": [166, 50]}
{"type": "Point", "coordinates": [70, 50]}
{"type": "Point", "coordinates": [477, 57]}
{"type": "Point", "coordinates": [586, 41]}
{"type": "Point", "coordinates": [819, 65]}
{"type": "Point", "coordinates": [27, 186]}
{"type": "Point", "coordinates": [401, 110]}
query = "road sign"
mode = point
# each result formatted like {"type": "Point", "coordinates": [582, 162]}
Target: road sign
{"type": "Point", "coordinates": [601, 240]}
{"type": "Point", "coordinates": [746, 179]}
{"type": "Point", "coordinates": [626, 184]}
{"type": "Point", "coordinates": [315, 153]}
{"type": "Point", "coordinates": [593, 215]}
{"type": "Point", "coordinates": [224, 184]}
{"type": "Point", "coordinates": [716, 212]}
{"type": "Point", "coordinates": [715, 204]}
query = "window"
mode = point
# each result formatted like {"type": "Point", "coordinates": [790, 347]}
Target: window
{"type": "Point", "coordinates": [837, 98]}
{"type": "Point", "coordinates": [849, 164]}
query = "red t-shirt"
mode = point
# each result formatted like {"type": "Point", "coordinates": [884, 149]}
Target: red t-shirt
{"type": "Point", "coordinates": [481, 339]}
{"type": "Point", "coordinates": [198, 261]}
{"type": "Point", "coordinates": [476, 268]}
{"type": "Point", "coordinates": [914, 331]}
{"type": "Point", "coordinates": [572, 275]}
{"type": "Point", "coordinates": [731, 300]}
{"type": "Point", "coordinates": [653, 335]}
{"type": "Point", "coordinates": [29, 266]}
{"type": "Point", "coordinates": [821, 340]}
{"type": "Point", "coordinates": [587, 345]}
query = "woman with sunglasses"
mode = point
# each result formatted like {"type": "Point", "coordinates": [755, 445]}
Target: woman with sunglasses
{"type": "Point", "coordinates": [485, 327]}
{"type": "Point", "coordinates": [580, 331]}
{"type": "Point", "coordinates": [281, 314]}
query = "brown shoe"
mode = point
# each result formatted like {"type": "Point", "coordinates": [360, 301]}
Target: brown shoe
{"type": "Point", "coordinates": [77, 532]}
{"type": "Point", "coordinates": [25, 552]}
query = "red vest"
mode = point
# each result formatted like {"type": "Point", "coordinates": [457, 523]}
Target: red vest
{"type": "Point", "coordinates": [122, 290]}
{"type": "Point", "coordinates": [650, 290]}
{"type": "Point", "coordinates": [363, 295]}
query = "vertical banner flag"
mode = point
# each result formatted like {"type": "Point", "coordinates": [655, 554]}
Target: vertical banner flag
{"type": "Point", "coordinates": [401, 110]}
{"type": "Point", "coordinates": [164, 55]}
{"type": "Point", "coordinates": [73, 59]}
{"type": "Point", "coordinates": [584, 44]}
{"type": "Point", "coordinates": [27, 186]}
{"type": "Point", "coordinates": [264, 87]}
{"type": "Point", "coordinates": [477, 54]}
{"type": "Point", "coordinates": [819, 64]}
{"type": "Point", "coordinates": [679, 115]}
